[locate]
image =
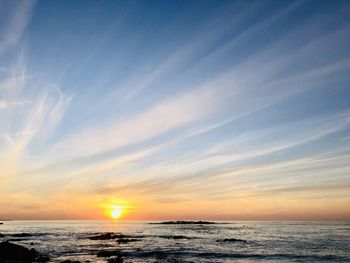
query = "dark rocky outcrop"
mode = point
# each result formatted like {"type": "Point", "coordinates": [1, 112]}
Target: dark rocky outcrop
{"type": "Point", "coordinates": [10, 252]}
{"type": "Point", "coordinates": [232, 240]}
{"type": "Point", "coordinates": [116, 256]}
{"type": "Point", "coordinates": [108, 236]}
{"type": "Point", "coordinates": [104, 236]}
{"type": "Point", "coordinates": [15, 239]}
{"type": "Point", "coordinates": [69, 261]}
{"type": "Point", "coordinates": [42, 259]}
{"type": "Point", "coordinates": [109, 253]}
{"type": "Point", "coordinates": [176, 237]}
{"type": "Point", "coordinates": [184, 223]}
{"type": "Point", "coordinates": [127, 240]}
{"type": "Point", "coordinates": [117, 259]}
{"type": "Point", "coordinates": [21, 235]}
{"type": "Point", "coordinates": [154, 254]}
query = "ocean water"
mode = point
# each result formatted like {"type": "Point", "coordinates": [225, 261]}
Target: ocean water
{"type": "Point", "coordinates": [220, 242]}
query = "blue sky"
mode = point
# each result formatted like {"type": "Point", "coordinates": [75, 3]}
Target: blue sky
{"type": "Point", "coordinates": [175, 109]}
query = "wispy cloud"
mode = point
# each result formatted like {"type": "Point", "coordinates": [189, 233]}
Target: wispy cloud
{"type": "Point", "coordinates": [230, 107]}
{"type": "Point", "coordinates": [12, 31]}
{"type": "Point", "coordinates": [30, 111]}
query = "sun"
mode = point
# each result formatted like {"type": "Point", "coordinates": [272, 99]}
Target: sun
{"type": "Point", "coordinates": [116, 212]}
{"type": "Point", "coordinates": [115, 209]}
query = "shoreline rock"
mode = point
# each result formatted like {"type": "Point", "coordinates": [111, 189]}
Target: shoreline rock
{"type": "Point", "coordinates": [10, 252]}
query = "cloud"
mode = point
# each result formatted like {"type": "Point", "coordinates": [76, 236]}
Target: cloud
{"type": "Point", "coordinates": [30, 111]}
{"type": "Point", "coordinates": [168, 115]}
{"type": "Point", "coordinates": [235, 179]}
{"type": "Point", "coordinates": [7, 104]}
{"type": "Point", "coordinates": [16, 25]}
{"type": "Point", "coordinates": [310, 189]}
{"type": "Point", "coordinates": [234, 107]}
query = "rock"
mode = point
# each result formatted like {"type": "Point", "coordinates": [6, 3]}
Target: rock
{"type": "Point", "coordinates": [175, 237]}
{"type": "Point", "coordinates": [15, 239]}
{"type": "Point", "coordinates": [184, 223]}
{"type": "Point", "coordinates": [161, 255]}
{"type": "Point", "coordinates": [107, 236]}
{"type": "Point", "coordinates": [102, 236]}
{"type": "Point", "coordinates": [232, 240]}
{"type": "Point", "coordinates": [156, 254]}
{"type": "Point", "coordinates": [109, 253]}
{"type": "Point", "coordinates": [21, 235]}
{"type": "Point", "coordinates": [1, 235]}
{"type": "Point", "coordinates": [11, 252]}
{"type": "Point", "coordinates": [69, 261]}
{"type": "Point", "coordinates": [127, 240]}
{"type": "Point", "coordinates": [117, 259]}
{"type": "Point", "coordinates": [42, 259]}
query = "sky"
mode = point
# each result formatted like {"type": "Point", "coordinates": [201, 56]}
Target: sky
{"type": "Point", "coordinates": [211, 110]}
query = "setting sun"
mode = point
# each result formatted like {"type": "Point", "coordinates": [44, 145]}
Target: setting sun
{"type": "Point", "coordinates": [115, 208]}
{"type": "Point", "coordinates": [116, 213]}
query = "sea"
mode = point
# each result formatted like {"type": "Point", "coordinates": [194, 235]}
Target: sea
{"type": "Point", "coordinates": [155, 242]}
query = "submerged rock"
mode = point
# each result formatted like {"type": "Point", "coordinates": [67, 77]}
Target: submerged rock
{"type": "Point", "coordinates": [232, 240]}
{"type": "Point", "coordinates": [15, 239]}
{"type": "Point", "coordinates": [117, 259]}
{"type": "Point", "coordinates": [108, 236]}
{"type": "Point", "coordinates": [105, 236]}
{"type": "Point", "coordinates": [127, 240]}
{"type": "Point", "coordinates": [176, 237]}
{"type": "Point", "coordinates": [10, 252]}
{"type": "Point", "coordinates": [184, 223]}
{"type": "Point", "coordinates": [21, 235]}
{"type": "Point", "coordinates": [116, 256]}
{"type": "Point", "coordinates": [109, 253]}
{"type": "Point", "coordinates": [42, 259]}
{"type": "Point", "coordinates": [155, 254]}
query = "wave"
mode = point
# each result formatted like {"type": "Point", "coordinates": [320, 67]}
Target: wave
{"type": "Point", "coordinates": [161, 254]}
